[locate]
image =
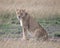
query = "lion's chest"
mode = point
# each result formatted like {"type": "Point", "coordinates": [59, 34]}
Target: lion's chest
{"type": "Point", "coordinates": [21, 23]}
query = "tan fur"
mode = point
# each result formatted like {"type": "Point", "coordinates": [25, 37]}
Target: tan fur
{"type": "Point", "coordinates": [29, 24]}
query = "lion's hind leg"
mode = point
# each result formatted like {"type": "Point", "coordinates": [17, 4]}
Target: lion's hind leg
{"type": "Point", "coordinates": [40, 35]}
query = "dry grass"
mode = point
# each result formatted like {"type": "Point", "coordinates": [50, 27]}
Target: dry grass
{"type": "Point", "coordinates": [14, 43]}
{"type": "Point", "coordinates": [41, 8]}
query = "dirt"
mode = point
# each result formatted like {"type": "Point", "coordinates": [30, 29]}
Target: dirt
{"type": "Point", "coordinates": [18, 43]}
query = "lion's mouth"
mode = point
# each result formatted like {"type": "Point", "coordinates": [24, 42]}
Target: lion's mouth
{"type": "Point", "coordinates": [18, 16]}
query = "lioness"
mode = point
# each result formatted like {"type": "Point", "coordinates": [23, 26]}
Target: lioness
{"type": "Point", "coordinates": [29, 24]}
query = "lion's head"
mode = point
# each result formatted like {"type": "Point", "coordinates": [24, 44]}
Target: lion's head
{"type": "Point", "coordinates": [21, 13]}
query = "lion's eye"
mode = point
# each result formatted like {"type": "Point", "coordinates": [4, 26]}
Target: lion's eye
{"type": "Point", "coordinates": [21, 14]}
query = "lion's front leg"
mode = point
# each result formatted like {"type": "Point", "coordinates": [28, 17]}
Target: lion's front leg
{"type": "Point", "coordinates": [24, 34]}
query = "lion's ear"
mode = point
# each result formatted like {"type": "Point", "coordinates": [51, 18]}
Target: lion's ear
{"type": "Point", "coordinates": [17, 9]}
{"type": "Point", "coordinates": [23, 10]}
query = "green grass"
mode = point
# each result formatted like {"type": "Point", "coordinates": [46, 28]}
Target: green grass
{"type": "Point", "coordinates": [9, 27]}
{"type": "Point", "coordinates": [46, 22]}
{"type": "Point", "coordinates": [12, 29]}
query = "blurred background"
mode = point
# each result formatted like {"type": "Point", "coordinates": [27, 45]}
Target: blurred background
{"type": "Point", "coordinates": [46, 12]}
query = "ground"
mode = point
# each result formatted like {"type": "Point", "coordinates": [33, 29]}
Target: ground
{"type": "Point", "coordinates": [17, 43]}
